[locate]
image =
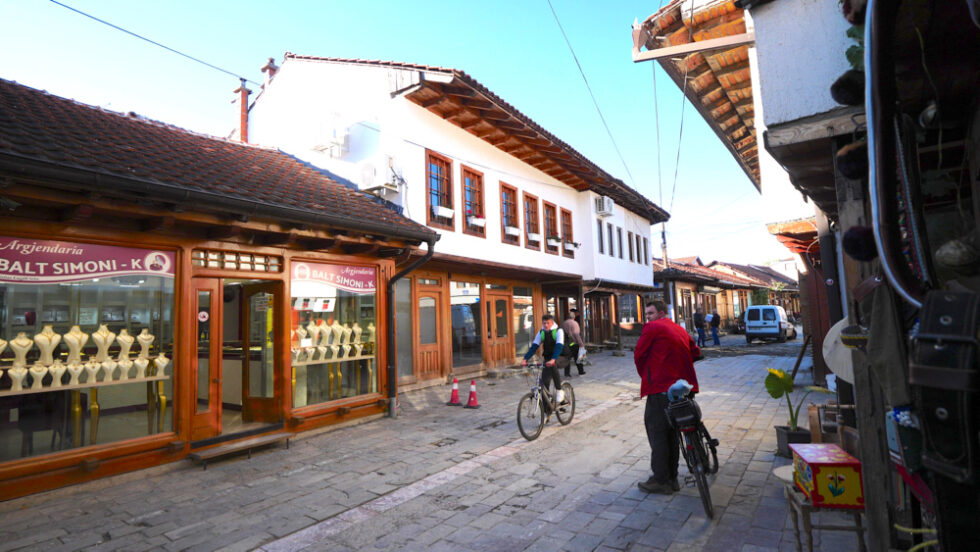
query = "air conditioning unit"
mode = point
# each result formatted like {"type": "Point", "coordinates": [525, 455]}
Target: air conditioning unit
{"type": "Point", "coordinates": [378, 175]}
{"type": "Point", "coordinates": [335, 143]}
{"type": "Point", "coordinates": [604, 206]}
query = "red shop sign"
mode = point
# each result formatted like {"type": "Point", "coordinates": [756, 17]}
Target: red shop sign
{"type": "Point", "coordinates": [358, 279]}
{"type": "Point", "coordinates": [42, 261]}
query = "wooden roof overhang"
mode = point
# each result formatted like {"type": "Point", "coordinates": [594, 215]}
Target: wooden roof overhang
{"type": "Point", "coordinates": [462, 101]}
{"type": "Point", "coordinates": [799, 236]}
{"type": "Point", "coordinates": [457, 266]}
{"type": "Point", "coordinates": [708, 49]}
{"type": "Point", "coordinates": [63, 203]}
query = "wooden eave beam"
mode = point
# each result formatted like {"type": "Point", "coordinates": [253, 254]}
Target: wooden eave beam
{"type": "Point", "coordinates": [224, 232]}
{"type": "Point", "coordinates": [359, 248]}
{"type": "Point", "coordinates": [275, 238]}
{"type": "Point", "coordinates": [431, 101]}
{"type": "Point", "coordinates": [697, 46]}
{"type": "Point", "coordinates": [75, 213]}
{"type": "Point", "coordinates": [154, 224]}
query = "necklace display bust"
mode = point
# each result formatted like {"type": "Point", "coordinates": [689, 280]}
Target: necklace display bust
{"type": "Point", "coordinates": [38, 371]}
{"type": "Point", "coordinates": [141, 363]}
{"type": "Point", "coordinates": [109, 369]}
{"type": "Point", "coordinates": [347, 331]}
{"type": "Point", "coordinates": [75, 370]}
{"type": "Point", "coordinates": [356, 331]}
{"type": "Point", "coordinates": [324, 333]}
{"type": "Point", "coordinates": [17, 375]}
{"type": "Point", "coordinates": [3, 346]}
{"type": "Point", "coordinates": [358, 347]}
{"type": "Point", "coordinates": [301, 333]}
{"type": "Point", "coordinates": [145, 339]}
{"type": "Point", "coordinates": [125, 342]}
{"type": "Point", "coordinates": [92, 370]}
{"type": "Point", "coordinates": [75, 339]}
{"type": "Point", "coordinates": [57, 370]}
{"type": "Point", "coordinates": [371, 333]}
{"type": "Point", "coordinates": [160, 363]}
{"type": "Point", "coordinates": [124, 366]}
{"type": "Point", "coordinates": [337, 331]}
{"type": "Point", "coordinates": [47, 341]}
{"type": "Point", "coordinates": [102, 338]}
{"type": "Point", "coordinates": [20, 345]}
{"type": "Point", "coordinates": [313, 331]}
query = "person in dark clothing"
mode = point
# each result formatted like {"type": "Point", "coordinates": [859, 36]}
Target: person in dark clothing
{"type": "Point", "coordinates": [664, 354]}
{"type": "Point", "coordinates": [715, 322]}
{"type": "Point", "coordinates": [699, 326]}
{"type": "Point", "coordinates": [551, 339]}
{"type": "Point", "coordinates": [573, 339]}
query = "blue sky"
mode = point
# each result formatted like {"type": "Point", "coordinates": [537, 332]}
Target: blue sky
{"type": "Point", "coordinates": [515, 48]}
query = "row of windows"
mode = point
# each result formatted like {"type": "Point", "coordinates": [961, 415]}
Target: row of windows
{"type": "Point", "coordinates": [636, 244]}
{"type": "Point", "coordinates": [556, 234]}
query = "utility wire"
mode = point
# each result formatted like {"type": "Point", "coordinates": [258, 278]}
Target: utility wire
{"type": "Point", "coordinates": [609, 132]}
{"type": "Point", "coordinates": [677, 162]}
{"type": "Point", "coordinates": [192, 58]}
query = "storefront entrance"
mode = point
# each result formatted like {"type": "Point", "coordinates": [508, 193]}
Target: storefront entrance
{"type": "Point", "coordinates": [499, 345]}
{"type": "Point", "coordinates": [235, 357]}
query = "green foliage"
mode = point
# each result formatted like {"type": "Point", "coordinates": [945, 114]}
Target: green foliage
{"type": "Point", "coordinates": [855, 53]}
{"type": "Point", "coordinates": [779, 384]}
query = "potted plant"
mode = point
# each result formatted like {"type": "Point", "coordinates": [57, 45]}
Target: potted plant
{"type": "Point", "coordinates": [512, 230]}
{"type": "Point", "coordinates": [554, 241]}
{"type": "Point", "coordinates": [475, 220]}
{"type": "Point", "coordinates": [533, 236]}
{"type": "Point", "coordinates": [440, 211]}
{"type": "Point", "coordinates": [780, 384]}
{"type": "Point", "coordinates": [569, 244]}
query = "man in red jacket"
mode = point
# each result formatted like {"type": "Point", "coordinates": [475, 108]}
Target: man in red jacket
{"type": "Point", "coordinates": [664, 354]}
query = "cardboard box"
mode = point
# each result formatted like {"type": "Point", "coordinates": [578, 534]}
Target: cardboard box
{"type": "Point", "coordinates": [828, 476]}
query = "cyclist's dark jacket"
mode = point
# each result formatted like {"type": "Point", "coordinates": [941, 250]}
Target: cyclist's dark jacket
{"type": "Point", "coordinates": [552, 342]}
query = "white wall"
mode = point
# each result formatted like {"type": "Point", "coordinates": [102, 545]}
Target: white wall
{"type": "Point", "coordinates": [307, 101]}
{"type": "Point", "coordinates": [801, 46]}
{"type": "Point", "coordinates": [608, 266]}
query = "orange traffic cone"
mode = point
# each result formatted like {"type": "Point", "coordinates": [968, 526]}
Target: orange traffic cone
{"type": "Point", "coordinates": [472, 402]}
{"type": "Point", "coordinates": [454, 398]}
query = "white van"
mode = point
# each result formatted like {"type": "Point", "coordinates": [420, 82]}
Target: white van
{"type": "Point", "coordinates": [768, 322]}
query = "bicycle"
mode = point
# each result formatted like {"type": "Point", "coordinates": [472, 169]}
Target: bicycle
{"type": "Point", "coordinates": [696, 444]}
{"type": "Point", "coordinates": [533, 412]}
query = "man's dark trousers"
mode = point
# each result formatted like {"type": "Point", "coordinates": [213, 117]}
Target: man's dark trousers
{"type": "Point", "coordinates": [664, 445]}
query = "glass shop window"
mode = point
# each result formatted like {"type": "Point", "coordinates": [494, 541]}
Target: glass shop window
{"type": "Point", "coordinates": [333, 332]}
{"type": "Point", "coordinates": [467, 322]}
{"type": "Point", "coordinates": [86, 342]}
{"type": "Point", "coordinates": [523, 319]}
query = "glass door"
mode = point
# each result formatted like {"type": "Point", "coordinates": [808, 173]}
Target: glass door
{"type": "Point", "coordinates": [429, 350]}
{"type": "Point", "coordinates": [499, 310]}
{"type": "Point", "coordinates": [206, 359]}
{"type": "Point", "coordinates": [259, 398]}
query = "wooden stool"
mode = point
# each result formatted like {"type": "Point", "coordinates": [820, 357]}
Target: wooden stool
{"type": "Point", "coordinates": [802, 508]}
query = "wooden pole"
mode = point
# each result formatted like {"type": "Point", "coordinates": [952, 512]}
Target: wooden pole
{"type": "Point", "coordinates": [799, 358]}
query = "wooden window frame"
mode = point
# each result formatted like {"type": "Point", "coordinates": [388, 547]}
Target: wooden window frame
{"type": "Point", "coordinates": [602, 247]}
{"type": "Point", "coordinates": [430, 219]}
{"type": "Point", "coordinates": [629, 240]}
{"type": "Point", "coordinates": [646, 252]}
{"type": "Point", "coordinates": [637, 246]}
{"type": "Point", "coordinates": [612, 242]}
{"type": "Point", "coordinates": [567, 234]}
{"type": "Point", "coordinates": [554, 212]}
{"type": "Point", "coordinates": [512, 240]}
{"type": "Point", "coordinates": [619, 240]}
{"type": "Point", "coordinates": [536, 220]}
{"type": "Point", "coordinates": [480, 231]}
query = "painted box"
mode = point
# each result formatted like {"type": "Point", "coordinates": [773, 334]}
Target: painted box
{"type": "Point", "coordinates": [828, 476]}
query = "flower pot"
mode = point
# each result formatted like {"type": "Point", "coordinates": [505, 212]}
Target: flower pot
{"type": "Point", "coordinates": [440, 211]}
{"type": "Point", "coordinates": [476, 221]}
{"type": "Point", "coordinates": [554, 243]}
{"type": "Point", "coordinates": [512, 230]}
{"type": "Point", "coordinates": [571, 245]}
{"type": "Point", "coordinates": [533, 236]}
{"type": "Point", "coordinates": [784, 437]}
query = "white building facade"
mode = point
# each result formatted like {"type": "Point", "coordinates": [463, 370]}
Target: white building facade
{"type": "Point", "coordinates": [518, 211]}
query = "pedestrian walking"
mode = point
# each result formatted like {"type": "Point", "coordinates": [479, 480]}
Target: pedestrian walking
{"type": "Point", "coordinates": [573, 334]}
{"type": "Point", "coordinates": [664, 354]}
{"type": "Point", "coordinates": [715, 322]}
{"type": "Point", "coordinates": [699, 326]}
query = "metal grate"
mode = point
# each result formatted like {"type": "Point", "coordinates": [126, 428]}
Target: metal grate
{"type": "Point", "coordinates": [230, 260]}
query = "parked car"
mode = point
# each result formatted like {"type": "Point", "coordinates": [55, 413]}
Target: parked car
{"type": "Point", "coordinates": [768, 322]}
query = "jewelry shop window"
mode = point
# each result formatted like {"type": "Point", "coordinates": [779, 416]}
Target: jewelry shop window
{"type": "Point", "coordinates": [86, 342]}
{"type": "Point", "coordinates": [333, 332]}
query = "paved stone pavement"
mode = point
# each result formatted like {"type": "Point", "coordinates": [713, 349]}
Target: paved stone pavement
{"type": "Point", "coordinates": [446, 478]}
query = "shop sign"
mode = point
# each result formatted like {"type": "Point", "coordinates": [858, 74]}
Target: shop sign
{"type": "Point", "coordinates": [356, 279]}
{"type": "Point", "coordinates": [31, 261]}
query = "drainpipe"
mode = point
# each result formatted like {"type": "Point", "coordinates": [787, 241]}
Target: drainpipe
{"type": "Point", "coordinates": [390, 330]}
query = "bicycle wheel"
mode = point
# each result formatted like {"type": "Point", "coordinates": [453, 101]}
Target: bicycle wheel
{"type": "Point", "coordinates": [565, 413]}
{"type": "Point", "coordinates": [710, 447]}
{"type": "Point", "coordinates": [699, 459]}
{"type": "Point", "coordinates": [530, 417]}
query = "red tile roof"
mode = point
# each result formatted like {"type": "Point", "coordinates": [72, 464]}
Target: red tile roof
{"type": "Point", "coordinates": [679, 271]}
{"type": "Point", "coordinates": [573, 167]}
{"type": "Point", "coordinates": [39, 127]}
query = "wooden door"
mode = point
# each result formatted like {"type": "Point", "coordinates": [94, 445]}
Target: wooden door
{"type": "Point", "coordinates": [428, 334]}
{"type": "Point", "coordinates": [260, 377]}
{"type": "Point", "coordinates": [206, 358]}
{"type": "Point", "coordinates": [500, 342]}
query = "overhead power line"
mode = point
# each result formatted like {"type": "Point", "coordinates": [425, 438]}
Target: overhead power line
{"type": "Point", "coordinates": [192, 58]}
{"type": "Point", "coordinates": [594, 102]}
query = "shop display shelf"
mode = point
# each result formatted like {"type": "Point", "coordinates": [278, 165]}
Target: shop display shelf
{"type": "Point", "coordinates": [333, 360]}
{"type": "Point", "coordinates": [86, 385]}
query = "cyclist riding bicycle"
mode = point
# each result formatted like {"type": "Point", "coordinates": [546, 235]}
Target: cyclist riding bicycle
{"type": "Point", "coordinates": [551, 339]}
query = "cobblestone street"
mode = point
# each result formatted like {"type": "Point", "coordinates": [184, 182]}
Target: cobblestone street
{"type": "Point", "coordinates": [443, 478]}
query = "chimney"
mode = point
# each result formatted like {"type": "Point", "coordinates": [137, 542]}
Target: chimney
{"type": "Point", "coordinates": [270, 69]}
{"type": "Point", "coordinates": [243, 93]}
